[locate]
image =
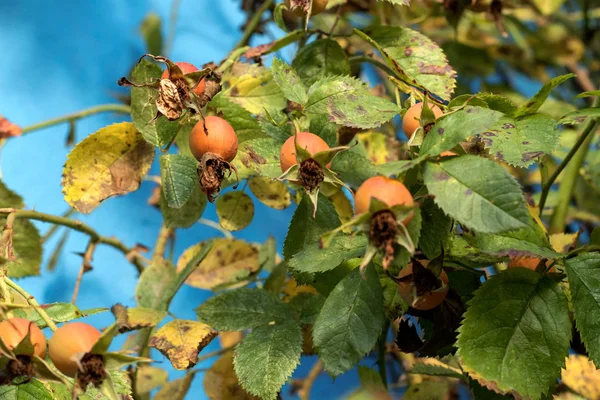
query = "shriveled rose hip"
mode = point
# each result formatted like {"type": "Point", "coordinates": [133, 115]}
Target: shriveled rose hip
{"type": "Point", "coordinates": [427, 301]}
{"type": "Point", "coordinates": [187, 68]}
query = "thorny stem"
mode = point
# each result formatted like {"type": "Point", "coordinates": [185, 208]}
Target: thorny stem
{"type": "Point", "coordinates": [32, 302]}
{"type": "Point", "coordinates": [130, 254]}
{"type": "Point", "coordinates": [253, 23]}
{"type": "Point", "coordinates": [54, 228]}
{"type": "Point", "coordinates": [119, 108]}
{"type": "Point", "coordinates": [589, 129]}
{"type": "Point", "coordinates": [86, 265]}
{"type": "Point", "coordinates": [308, 382]}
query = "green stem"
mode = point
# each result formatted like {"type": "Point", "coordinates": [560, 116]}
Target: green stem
{"type": "Point", "coordinates": [565, 192]}
{"type": "Point", "coordinates": [80, 227]}
{"type": "Point", "coordinates": [382, 351]}
{"type": "Point", "coordinates": [119, 108]}
{"type": "Point", "coordinates": [589, 129]}
{"type": "Point", "coordinates": [253, 23]}
{"type": "Point", "coordinates": [32, 302]}
{"type": "Point", "coordinates": [161, 242]}
{"type": "Point", "coordinates": [54, 228]}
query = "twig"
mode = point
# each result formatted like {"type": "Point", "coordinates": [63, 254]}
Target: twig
{"type": "Point", "coordinates": [307, 383]}
{"type": "Point", "coordinates": [130, 253]}
{"type": "Point", "coordinates": [86, 265]}
{"type": "Point", "coordinates": [373, 61]}
{"type": "Point", "coordinates": [32, 302]}
{"type": "Point", "coordinates": [119, 108]}
{"type": "Point", "coordinates": [161, 242]}
{"type": "Point", "coordinates": [216, 353]}
{"type": "Point", "coordinates": [253, 23]}
{"type": "Point", "coordinates": [6, 241]}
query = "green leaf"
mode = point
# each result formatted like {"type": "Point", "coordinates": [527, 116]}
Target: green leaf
{"type": "Point", "coordinates": [525, 316]}
{"type": "Point", "coordinates": [278, 16]}
{"type": "Point", "coordinates": [435, 367]}
{"type": "Point", "coordinates": [179, 176]}
{"type": "Point", "coordinates": [288, 80]}
{"type": "Point", "coordinates": [313, 258]}
{"type": "Point", "coordinates": [107, 163]}
{"type": "Point", "coordinates": [187, 215]}
{"type": "Point", "coordinates": [252, 87]}
{"type": "Point", "coordinates": [267, 357]}
{"type": "Point", "coordinates": [540, 97]}
{"type": "Point", "coordinates": [522, 242]}
{"type": "Point", "coordinates": [143, 106]}
{"type": "Point", "coordinates": [435, 229]}
{"type": "Point", "coordinates": [151, 32]}
{"type": "Point", "coordinates": [32, 390]}
{"type": "Point", "coordinates": [246, 127]}
{"type": "Point", "coordinates": [488, 201]}
{"type": "Point", "coordinates": [319, 59]}
{"type": "Point", "coordinates": [350, 322]}
{"type": "Point", "coordinates": [370, 379]}
{"type": "Point", "coordinates": [304, 230]}
{"type": "Point", "coordinates": [584, 281]}
{"type": "Point", "coordinates": [588, 94]}
{"type": "Point", "coordinates": [580, 116]}
{"type": "Point", "coordinates": [418, 57]}
{"type": "Point", "coordinates": [347, 101]}
{"type": "Point", "coordinates": [452, 129]}
{"type": "Point", "coordinates": [243, 308]}
{"type": "Point", "coordinates": [235, 210]}
{"type": "Point", "coordinates": [27, 245]}
{"type": "Point", "coordinates": [156, 286]}
{"type": "Point", "coordinates": [307, 306]}
{"type": "Point", "coordinates": [58, 312]}
{"type": "Point", "coordinates": [520, 141]}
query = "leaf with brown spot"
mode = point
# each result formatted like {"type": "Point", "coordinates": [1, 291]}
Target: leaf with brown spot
{"type": "Point", "coordinates": [129, 319]}
{"type": "Point", "coordinates": [149, 378]}
{"type": "Point", "coordinates": [221, 383]}
{"type": "Point", "coordinates": [235, 210]}
{"type": "Point", "coordinates": [175, 390]}
{"type": "Point", "coordinates": [270, 192]}
{"type": "Point", "coordinates": [229, 261]}
{"type": "Point", "coordinates": [181, 341]}
{"type": "Point", "coordinates": [107, 163]}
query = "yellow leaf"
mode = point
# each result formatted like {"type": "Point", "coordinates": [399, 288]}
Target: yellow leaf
{"type": "Point", "coordinates": [129, 319]}
{"type": "Point", "coordinates": [149, 378]}
{"type": "Point", "coordinates": [343, 206]}
{"type": "Point", "coordinates": [228, 261]}
{"type": "Point", "coordinates": [235, 210]}
{"type": "Point", "coordinates": [107, 163]}
{"type": "Point", "coordinates": [563, 242]}
{"type": "Point", "coordinates": [270, 192]}
{"type": "Point", "coordinates": [535, 214]}
{"type": "Point", "coordinates": [380, 149]}
{"type": "Point", "coordinates": [581, 376]}
{"type": "Point", "coordinates": [181, 341]}
{"type": "Point", "coordinates": [221, 383]}
{"type": "Point", "coordinates": [175, 390]}
{"type": "Point", "coordinates": [292, 289]}
{"type": "Point", "coordinates": [231, 338]}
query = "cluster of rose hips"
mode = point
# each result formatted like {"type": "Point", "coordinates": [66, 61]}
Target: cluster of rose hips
{"type": "Point", "coordinates": [68, 349]}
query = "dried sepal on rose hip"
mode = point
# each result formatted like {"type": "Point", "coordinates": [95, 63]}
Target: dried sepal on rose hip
{"type": "Point", "coordinates": [214, 143]}
{"type": "Point", "coordinates": [383, 207]}
{"type": "Point", "coordinates": [305, 159]}
{"type": "Point", "coordinates": [181, 87]}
